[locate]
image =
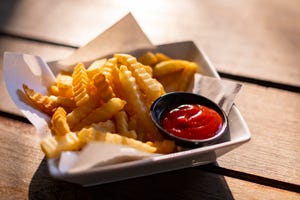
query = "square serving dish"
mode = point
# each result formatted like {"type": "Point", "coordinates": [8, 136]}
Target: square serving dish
{"type": "Point", "coordinates": [239, 134]}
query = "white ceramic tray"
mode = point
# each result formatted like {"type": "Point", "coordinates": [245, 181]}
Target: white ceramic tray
{"type": "Point", "coordinates": [239, 134]}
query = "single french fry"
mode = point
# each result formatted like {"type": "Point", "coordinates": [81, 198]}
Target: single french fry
{"type": "Point", "coordinates": [161, 57]}
{"type": "Point", "coordinates": [168, 67]}
{"type": "Point", "coordinates": [46, 104]}
{"type": "Point", "coordinates": [148, 58]}
{"type": "Point", "coordinates": [187, 76]}
{"type": "Point", "coordinates": [80, 84]}
{"type": "Point", "coordinates": [59, 123]}
{"type": "Point", "coordinates": [87, 135]}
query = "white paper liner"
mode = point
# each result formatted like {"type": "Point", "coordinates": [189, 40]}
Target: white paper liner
{"type": "Point", "coordinates": [33, 71]}
{"type": "Point", "coordinates": [222, 92]}
{"type": "Point", "coordinates": [97, 154]}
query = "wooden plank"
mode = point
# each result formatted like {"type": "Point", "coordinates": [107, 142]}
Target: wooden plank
{"type": "Point", "coordinates": [21, 155]}
{"type": "Point", "coordinates": [273, 151]}
{"type": "Point", "coordinates": [239, 38]}
{"type": "Point", "coordinates": [247, 190]}
{"type": "Point", "coordinates": [23, 174]}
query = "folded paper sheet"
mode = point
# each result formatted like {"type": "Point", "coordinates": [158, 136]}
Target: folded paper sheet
{"type": "Point", "coordinates": [32, 70]}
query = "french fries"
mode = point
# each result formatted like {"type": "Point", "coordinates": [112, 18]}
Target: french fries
{"type": "Point", "coordinates": [109, 101]}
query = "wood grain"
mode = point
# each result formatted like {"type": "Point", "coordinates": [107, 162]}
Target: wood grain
{"type": "Point", "coordinates": [258, 39]}
{"type": "Point", "coordinates": [23, 174]}
{"type": "Point", "coordinates": [21, 155]}
{"type": "Point", "coordinates": [273, 151]}
{"type": "Point", "coordinates": [257, 191]}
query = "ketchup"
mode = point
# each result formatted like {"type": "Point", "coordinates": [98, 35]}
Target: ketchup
{"type": "Point", "coordinates": [192, 121]}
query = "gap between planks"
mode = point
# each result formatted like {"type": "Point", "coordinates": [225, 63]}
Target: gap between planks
{"type": "Point", "coordinates": [214, 168]}
{"type": "Point", "coordinates": [260, 82]}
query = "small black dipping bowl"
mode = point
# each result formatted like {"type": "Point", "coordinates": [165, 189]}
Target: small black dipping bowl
{"type": "Point", "coordinates": [171, 100]}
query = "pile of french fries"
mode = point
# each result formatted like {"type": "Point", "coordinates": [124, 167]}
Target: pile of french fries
{"type": "Point", "coordinates": [109, 101]}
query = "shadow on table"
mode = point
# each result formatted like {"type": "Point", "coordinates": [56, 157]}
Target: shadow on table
{"type": "Point", "coordinates": [191, 183]}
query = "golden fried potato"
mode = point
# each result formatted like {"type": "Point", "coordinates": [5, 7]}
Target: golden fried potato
{"type": "Point", "coordinates": [110, 102]}
{"type": "Point", "coordinates": [121, 120]}
{"type": "Point", "coordinates": [87, 135]}
{"type": "Point", "coordinates": [148, 58]}
{"type": "Point", "coordinates": [150, 87]}
{"type": "Point", "coordinates": [161, 57]}
{"type": "Point", "coordinates": [59, 123]}
{"type": "Point", "coordinates": [78, 114]}
{"type": "Point", "coordinates": [64, 85]}
{"type": "Point", "coordinates": [167, 67]}
{"type": "Point", "coordinates": [80, 84]}
{"type": "Point", "coordinates": [52, 146]}
{"type": "Point", "coordinates": [164, 146]}
{"type": "Point", "coordinates": [137, 106]}
{"type": "Point", "coordinates": [102, 113]}
{"type": "Point", "coordinates": [187, 76]}
{"type": "Point", "coordinates": [44, 103]}
{"type": "Point", "coordinates": [103, 91]}
{"type": "Point", "coordinates": [95, 67]}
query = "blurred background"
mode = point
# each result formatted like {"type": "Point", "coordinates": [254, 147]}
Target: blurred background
{"type": "Point", "coordinates": [262, 36]}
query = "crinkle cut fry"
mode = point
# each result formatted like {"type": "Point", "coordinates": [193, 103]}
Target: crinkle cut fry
{"type": "Point", "coordinates": [108, 68]}
{"type": "Point", "coordinates": [95, 67]}
{"type": "Point", "coordinates": [87, 135]}
{"type": "Point", "coordinates": [151, 88]}
{"type": "Point", "coordinates": [102, 113]}
{"type": "Point", "coordinates": [103, 89]}
{"type": "Point", "coordinates": [79, 114]}
{"type": "Point", "coordinates": [52, 146]}
{"type": "Point", "coordinates": [43, 102]}
{"type": "Point", "coordinates": [146, 130]}
{"type": "Point", "coordinates": [127, 59]}
{"type": "Point", "coordinates": [59, 123]}
{"type": "Point", "coordinates": [80, 84]}
{"type": "Point", "coordinates": [64, 85]}
{"type": "Point", "coordinates": [121, 120]}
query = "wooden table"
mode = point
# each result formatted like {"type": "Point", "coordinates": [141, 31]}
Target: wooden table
{"type": "Point", "coordinates": [253, 42]}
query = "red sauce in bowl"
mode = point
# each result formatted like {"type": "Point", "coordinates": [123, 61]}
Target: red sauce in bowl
{"type": "Point", "coordinates": [192, 121]}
